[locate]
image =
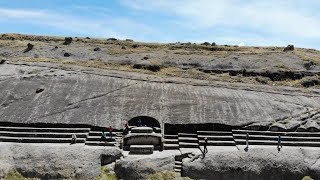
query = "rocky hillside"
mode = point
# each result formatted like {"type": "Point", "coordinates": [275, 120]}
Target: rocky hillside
{"type": "Point", "coordinates": [109, 81]}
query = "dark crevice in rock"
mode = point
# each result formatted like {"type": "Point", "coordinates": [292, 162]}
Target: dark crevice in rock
{"type": "Point", "coordinates": [100, 95]}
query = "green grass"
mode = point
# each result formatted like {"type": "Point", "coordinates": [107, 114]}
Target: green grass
{"type": "Point", "coordinates": [167, 175]}
{"type": "Point", "coordinates": [15, 175]}
{"type": "Point", "coordinates": [307, 178]}
{"type": "Point", "coordinates": [106, 174]}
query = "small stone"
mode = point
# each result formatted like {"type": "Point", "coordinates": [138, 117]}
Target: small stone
{"type": "Point", "coordinates": [97, 49]}
{"type": "Point", "coordinates": [289, 48]}
{"type": "Point", "coordinates": [67, 40]}
{"type": "Point", "coordinates": [66, 54]}
{"type": "Point", "coordinates": [29, 47]}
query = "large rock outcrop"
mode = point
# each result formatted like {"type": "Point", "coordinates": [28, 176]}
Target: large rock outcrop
{"type": "Point", "coordinates": [73, 96]}
{"type": "Point", "coordinates": [53, 161]}
{"type": "Point", "coordinates": [257, 164]}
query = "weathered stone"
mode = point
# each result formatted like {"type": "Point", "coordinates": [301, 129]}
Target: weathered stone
{"type": "Point", "coordinates": [257, 163]}
{"type": "Point", "coordinates": [97, 49]}
{"type": "Point", "coordinates": [66, 54]}
{"type": "Point", "coordinates": [67, 40]}
{"type": "Point", "coordinates": [142, 130]}
{"type": "Point", "coordinates": [277, 127]}
{"type": "Point", "coordinates": [53, 161]}
{"type": "Point", "coordinates": [118, 100]}
{"type": "Point", "coordinates": [289, 48]}
{"type": "Point", "coordinates": [29, 47]}
{"type": "Point", "coordinates": [141, 149]}
{"type": "Point", "coordinates": [141, 167]}
{"type": "Point", "coordinates": [312, 126]}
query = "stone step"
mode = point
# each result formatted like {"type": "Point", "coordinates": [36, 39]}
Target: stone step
{"type": "Point", "coordinates": [287, 143]}
{"type": "Point", "coordinates": [39, 140]}
{"type": "Point", "coordinates": [301, 134]}
{"type": "Point", "coordinates": [275, 138]}
{"type": "Point", "coordinates": [35, 129]}
{"type": "Point", "coordinates": [215, 133]}
{"type": "Point", "coordinates": [217, 138]}
{"type": "Point", "coordinates": [188, 145]}
{"type": "Point", "coordinates": [187, 135]}
{"type": "Point", "coordinates": [177, 170]}
{"type": "Point", "coordinates": [97, 138]}
{"type": "Point", "coordinates": [41, 134]}
{"type": "Point", "coordinates": [188, 139]}
{"type": "Point", "coordinates": [98, 143]}
{"type": "Point", "coordinates": [178, 162]}
{"type": "Point", "coordinates": [141, 149]}
{"type": "Point", "coordinates": [171, 141]}
{"type": "Point", "coordinates": [178, 166]}
{"type": "Point", "coordinates": [217, 143]}
{"type": "Point", "coordinates": [142, 130]}
{"type": "Point", "coordinates": [98, 133]}
{"type": "Point", "coordinates": [171, 136]}
{"type": "Point", "coordinates": [170, 146]}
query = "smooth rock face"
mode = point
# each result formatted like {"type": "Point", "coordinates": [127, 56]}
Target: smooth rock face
{"type": "Point", "coordinates": [141, 166]}
{"type": "Point", "coordinates": [83, 98]}
{"type": "Point", "coordinates": [49, 161]}
{"type": "Point", "coordinates": [257, 164]}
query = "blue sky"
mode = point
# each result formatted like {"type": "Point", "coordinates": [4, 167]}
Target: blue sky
{"type": "Point", "coordinates": [245, 22]}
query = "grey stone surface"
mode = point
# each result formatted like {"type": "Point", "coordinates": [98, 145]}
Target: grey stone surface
{"type": "Point", "coordinates": [72, 96]}
{"type": "Point", "coordinates": [136, 167]}
{"type": "Point", "coordinates": [49, 161]}
{"type": "Point", "coordinates": [256, 164]}
{"type": "Point", "coordinates": [142, 130]}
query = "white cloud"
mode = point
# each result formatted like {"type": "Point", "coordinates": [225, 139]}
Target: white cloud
{"type": "Point", "coordinates": [101, 26]}
{"type": "Point", "coordinates": [20, 13]}
{"type": "Point", "coordinates": [289, 17]}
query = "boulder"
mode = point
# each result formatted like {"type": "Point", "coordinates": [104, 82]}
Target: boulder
{"type": "Point", "coordinates": [2, 61]}
{"type": "Point", "coordinates": [29, 47]}
{"type": "Point", "coordinates": [54, 161]}
{"type": "Point", "coordinates": [206, 43]}
{"type": "Point", "coordinates": [111, 39]}
{"type": "Point", "coordinates": [301, 128]}
{"type": "Point", "coordinates": [141, 167]}
{"type": "Point", "coordinates": [277, 127]}
{"type": "Point", "coordinates": [97, 49]}
{"type": "Point", "coordinates": [258, 126]}
{"type": "Point", "coordinates": [289, 48]}
{"type": "Point", "coordinates": [257, 163]}
{"type": "Point", "coordinates": [293, 125]}
{"type": "Point", "coordinates": [67, 40]}
{"type": "Point", "coordinates": [312, 126]}
{"type": "Point", "coordinates": [66, 54]}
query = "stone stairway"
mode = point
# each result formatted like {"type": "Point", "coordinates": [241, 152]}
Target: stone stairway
{"type": "Point", "coordinates": [270, 138]}
{"type": "Point", "coordinates": [216, 138]}
{"type": "Point", "coordinates": [170, 142]}
{"type": "Point", "coordinates": [94, 138]}
{"type": "Point", "coordinates": [34, 134]}
{"type": "Point", "coordinates": [178, 164]}
{"type": "Point", "coordinates": [187, 140]}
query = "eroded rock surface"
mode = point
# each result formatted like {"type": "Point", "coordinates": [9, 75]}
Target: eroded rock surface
{"type": "Point", "coordinates": [49, 161]}
{"type": "Point", "coordinates": [142, 166]}
{"type": "Point", "coordinates": [257, 164]}
{"type": "Point", "coordinates": [72, 96]}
